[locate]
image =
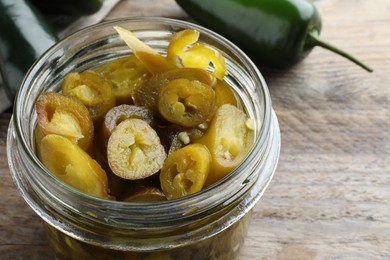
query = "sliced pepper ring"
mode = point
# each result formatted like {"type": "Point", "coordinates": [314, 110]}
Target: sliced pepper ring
{"type": "Point", "coordinates": [229, 139]}
{"type": "Point", "coordinates": [184, 47]}
{"type": "Point", "coordinates": [178, 44]}
{"type": "Point", "coordinates": [93, 90]}
{"type": "Point", "coordinates": [147, 94]}
{"type": "Point", "coordinates": [126, 75]}
{"type": "Point", "coordinates": [120, 113]}
{"type": "Point", "coordinates": [65, 116]}
{"type": "Point", "coordinates": [152, 60]}
{"type": "Point", "coordinates": [73, 165]}
{"type": "Point", "coordinates": [185, 171]}
{"type": "Point", "coordinates": [186, 102]}
{"type": "Point", "coordinates": [144, 194]}
{"type": "Point", "coordinates": [201, 55]}
{"type": "Point", "coordinates": [134, 150]}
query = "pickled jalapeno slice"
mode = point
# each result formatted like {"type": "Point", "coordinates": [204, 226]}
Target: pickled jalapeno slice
{"type": "Point", "coordinates": [185, 171]}
{"type": "Point", "coordinates": [184, 137]}
{"type": "Point", "coordinates": [73, 165]}
{"type": "Point", "coordinates": [228, 138]}
{"type": "Point", "coordinates": [134, 150]}
{"type": "Point", "coordinates": [151, 59]}
{"type": "Point", "coordinates": [126, 75]}
{"type": "Point", "coordinates": [144, 194]}
{"type": "Point", "coordinates": [224, 94]}
{"type": "Point", "coordinates": [184, 48]}
{"type": "Point", "coordinates": [120, 113]}
{"type": "Point", "coordinates": [201, 56]}
{"type": "Point", "coordinates": [147, 94]}
{"type": "Point", "coordinates": [186, 103]}
{"type": "Point", "coordinates": [94, 91]}
{"type": "Point", "coordinates": [66, 116]}
{"type": "Point", "coordinates": [178, 44]}
{"type": "Point", "coordinates": [174, 137]}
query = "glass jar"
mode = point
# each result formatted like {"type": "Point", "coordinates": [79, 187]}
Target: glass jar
{"type": "Point", "coordinates": [210, 224]}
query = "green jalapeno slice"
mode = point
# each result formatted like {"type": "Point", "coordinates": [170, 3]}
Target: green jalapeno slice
{"type": "Point", "coordinates": [120, 113]}
{"type": "Point", "coordinates": [186, 103]}
{"type": "Point", "coordinates": [73, 165]}
{"type": "Point", "coordinates": [185, 171]}
{"type": "Point", "coordinates": [134, 150]}
{"type": "Point", "coordinates": [94, 91]}
{"type": "Point", "coordinates": [229, 139]}
{"type": "Point", "coordinates": [126, 75]}
{"type": "Point", "coordinates": [65, 116]}
{"type": "Point", "coordinates": [147, 94]}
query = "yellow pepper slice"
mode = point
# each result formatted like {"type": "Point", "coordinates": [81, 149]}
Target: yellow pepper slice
{"type": "Point", "coordinates": [118, 114]}
{"type": "Point", "coordinates": [73, 165]}
{"type": "Point", "coordinates": [185, 171]}
{"type": "Point", "coordinates": [134, 150]}
{"type": "Point", "coordinates": [192, 54]}
{"type": "Point", "coordinates": [178, 44]}
{"type": "Point", "coordinates": [224, 94]}
{"type": "Point", "coordinates": [152, 60]}
{"type": "Point", "coordinates": [201, 55]}
{"type": "Point", "coordinates": [147, 94]}
{"type": "Point", "coordinates": [65, 116]}
{"type": "Point", "coordinates": [126, 75]}
{"type": "Point", "coordinates": [144, 194]}
{"type": "Point", "coordinates": [93, 90]}
{"type": "Point", "coordinates": [229, 139]}
{"type": "Point", "coordinates": [185, 102]}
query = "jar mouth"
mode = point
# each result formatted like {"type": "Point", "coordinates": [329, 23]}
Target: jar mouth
{"type": "Point", "coordinates": [209, 199]}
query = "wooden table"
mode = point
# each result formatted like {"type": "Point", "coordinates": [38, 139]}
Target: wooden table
{"type": "Point", "coordinates": [330, 197]}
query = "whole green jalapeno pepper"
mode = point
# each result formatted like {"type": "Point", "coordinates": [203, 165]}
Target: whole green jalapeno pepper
{"type": "Point", "coordinates": [24, 36]}
{"type": "Point", "coordinates": [277, 33]}
{"type": "Point", "coordinates": [69, 7]}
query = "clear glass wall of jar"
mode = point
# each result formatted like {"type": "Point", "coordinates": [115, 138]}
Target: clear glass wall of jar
{"type": "Point", "coordinates": [210, 224]}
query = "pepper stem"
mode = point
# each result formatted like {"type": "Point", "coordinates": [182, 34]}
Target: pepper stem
{"type": "Point", "coordinates": [313, 39]}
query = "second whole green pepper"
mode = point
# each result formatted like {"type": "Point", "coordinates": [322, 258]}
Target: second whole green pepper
{"type": "Point", "coordinates": [24, 36]}
{"type": "Point", "coordinates": [277, 33]}
{"type": "Point", "coordinates": [69, 7]}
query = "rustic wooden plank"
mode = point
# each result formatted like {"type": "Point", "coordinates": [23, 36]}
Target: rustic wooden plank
{"type": "Point", "coordinates": [28, 251]}
{"type": "Point", "coordinates": [329, 198]}
{"type": "Point", "coordinates": [21, 232]}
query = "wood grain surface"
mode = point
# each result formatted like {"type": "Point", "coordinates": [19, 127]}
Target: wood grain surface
{"type": "Point", "coordinates": [330, 197]}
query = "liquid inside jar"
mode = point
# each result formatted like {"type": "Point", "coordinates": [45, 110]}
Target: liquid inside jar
{"type": "Point", "coordinates": [224, 245]}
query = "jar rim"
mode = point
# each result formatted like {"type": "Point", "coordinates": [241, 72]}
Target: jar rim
{"type": "Point", "coordinates": [204, 197]}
